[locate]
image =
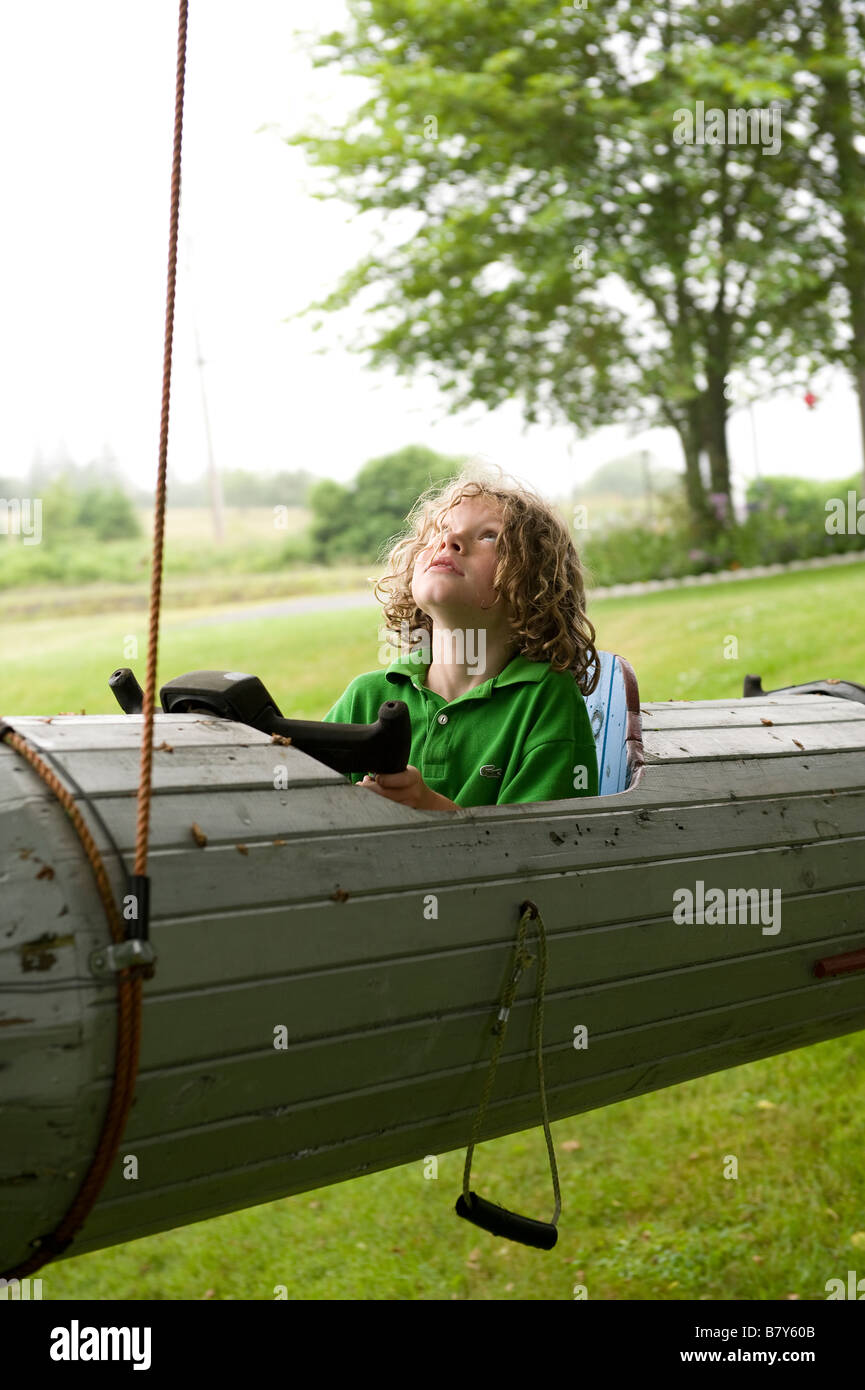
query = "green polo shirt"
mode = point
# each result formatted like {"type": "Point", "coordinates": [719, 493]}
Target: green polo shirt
{"type": "Point", "coordinates": [523, 735]}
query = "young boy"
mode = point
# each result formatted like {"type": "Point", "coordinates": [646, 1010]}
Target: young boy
{"type": "Point", "coordinates": [488, 579]}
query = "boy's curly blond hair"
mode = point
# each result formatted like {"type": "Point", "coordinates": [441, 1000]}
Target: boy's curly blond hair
{"type": "Point", "coordinates": [538, 574]}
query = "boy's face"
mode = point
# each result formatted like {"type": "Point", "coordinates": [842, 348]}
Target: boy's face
{"type": "Point", "coordinates": [455, 570]}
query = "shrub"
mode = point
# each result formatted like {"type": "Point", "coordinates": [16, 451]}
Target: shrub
{"type": "Point", "coordinates": [786, 521]}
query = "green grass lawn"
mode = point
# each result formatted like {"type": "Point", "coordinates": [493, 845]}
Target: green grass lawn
{"type": "Point", "coordinates": [647, 1211]}
{"type": "Point", "coordinates": [788, 628]}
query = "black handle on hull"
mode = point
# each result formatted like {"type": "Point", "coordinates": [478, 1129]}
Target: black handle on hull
{"type": "Point", "coordinates": [836, 689]}
{"type": "Point", "coordinates": [501, 1222]}
{"type": "Point", "coordinates": [130, 696]}
{"type": "Point", "coordinates": [380, 747]}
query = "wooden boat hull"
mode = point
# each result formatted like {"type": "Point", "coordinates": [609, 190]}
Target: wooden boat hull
{"type": "Point", "coordinates": [380, 940]}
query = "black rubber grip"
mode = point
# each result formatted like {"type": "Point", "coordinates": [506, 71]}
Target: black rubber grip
{"type": "Point", "coordinates": [380, 747]}
{"type": "Point", "coordinates": [130, 696]}
{"type": "Point", "coordinates": [501, 1222]}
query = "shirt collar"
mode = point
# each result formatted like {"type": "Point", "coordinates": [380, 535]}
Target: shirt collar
{"type": "Point", "coordinates": [519, 670]}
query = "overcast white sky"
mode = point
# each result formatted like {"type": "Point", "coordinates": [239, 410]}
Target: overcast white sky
{"type": "Point", "coordinates": [86, 105]}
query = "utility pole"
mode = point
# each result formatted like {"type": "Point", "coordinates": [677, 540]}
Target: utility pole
{"type": "Point", "coordinates": [215, 481]}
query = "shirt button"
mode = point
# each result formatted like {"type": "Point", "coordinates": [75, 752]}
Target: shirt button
{"type": "Point", "coordinates": [443, 719]}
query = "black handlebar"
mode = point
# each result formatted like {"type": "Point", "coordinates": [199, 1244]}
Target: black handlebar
{"type": "Point", "coordinates": [501, 1222]}
{"type": "Point", "coordinates": [130, 696]}
{"type": "Point", "coordinates": [837, 689]}
{"type": "Point", "coordinates": [380, 747]}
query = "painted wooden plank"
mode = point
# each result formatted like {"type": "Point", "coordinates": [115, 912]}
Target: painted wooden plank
{"type": "Point", "coordinates": [665, 717]}
{"type": "Point", "coordinates": [695, 745]}
{"type": "Point", "coordinates": [670, 783]}
{"type": "Point", "coordinates": [434, 1095]}
{"type": "Point", "coordinates": [629, 973]}
{"type": "Point", "coordinates": [748, 778]}
{"type": "Point", "coordinates": [276, 1136]}
{"type": "Point", "coordinates": [38, 1010]}
{"type": "Point", "coordinates": [229, 1191]}
{"type": "Point", "coordinates": [98, 733]}
{"type": "Point", "coordinates": [53, 1129]}
{"type": "Point", "coordinates": [131, 1215]}
{"type": "Point", "coordinates": [284, 1132]}
{"type": "Point", "coordinates": [315, 867]}
{"type": "Point", "coordinates": [41, 1173]}
{"type": "Point", "coordinates": [550, 844]}
{"type": "Point", "coordinates": [117, 772]}
{"type": "Point", "coordinates": [114, 731]}
{"type": "Point", "coordinates": [184, 1094]}
{"type": "Point", "coordinates": [182, 763]}
{"type": "Point", "coordinates": [664, 838]}
{"type": "Point", "coordinates": [55, 906]}
{"type": "Point", "coordinates": [246, 766]}
{"type": "Point", "coordinates": [248, 944]}
{"type": "Point", "coordinates": [757, 701]}
{"type": "Point", "coordinates": [249, 815]}
{"type": "Point", "coordinates": [257, 814]}
{"type": "Point", "coordinates": [714, 775]}
{"type": "Point", "coordinates": [445, 831]}
{"type": "Point", "coordinates": [424, 886]}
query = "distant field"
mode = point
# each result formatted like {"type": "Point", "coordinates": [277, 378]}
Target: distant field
{"type": "Point", "coordinates": [263, 553]}
{"type": "Point", "coordinates": [199, 591]}
{"type": "Point", "coordinates": [241, 523]}
{"type": "Point", "coordinates": [257, 541]}
{"type": "Point", "coordinates": [113, 577]}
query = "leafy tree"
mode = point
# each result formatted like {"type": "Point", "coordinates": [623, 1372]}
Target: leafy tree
{"type": "Point", "coordinates": [332, 519]}
{"type": "Point", "coordinates": [822, 43]}
{"type": "Point", "coordinates": [358, 521]}
{"type": "Point", "coordinates": [72, 501]}
{"type": "Point", "coordinates": [569, 252]}
{"type": "Point", "coordinates": [61, 506]}
{"type": "Point", "coordinates": [800, 500]}
{"type": "Point", "coordinates": [109, 513]}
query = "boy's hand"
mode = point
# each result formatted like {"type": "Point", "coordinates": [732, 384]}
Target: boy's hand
{"type": "Point", "coordinates": [408, 789]}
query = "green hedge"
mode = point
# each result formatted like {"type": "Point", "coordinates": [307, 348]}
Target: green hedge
{"type": "Point", "coordinates": [786, 520]}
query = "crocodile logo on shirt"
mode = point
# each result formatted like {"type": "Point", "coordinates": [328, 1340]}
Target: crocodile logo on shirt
{"type": "Point", "coordinates": [489, 770]}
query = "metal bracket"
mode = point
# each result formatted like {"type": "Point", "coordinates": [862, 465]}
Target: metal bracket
{"type": "Point", "coordinates": [107, 960]}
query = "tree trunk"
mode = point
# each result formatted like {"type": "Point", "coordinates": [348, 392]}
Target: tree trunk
{"type": "Point", "coordinates": [714, 416]}
{"type": "Point", "coordinates": [691, 433]}
{"type": "Point", "coordinates": [838, 120]}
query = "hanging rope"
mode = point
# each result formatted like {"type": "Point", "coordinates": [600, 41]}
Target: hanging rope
{"type": "Point", "coordinates": [145, 778]}
{"type": "Point", "coordinates": [492, 1218]}
{"type": "Point", "coordinates": [129, 977]}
